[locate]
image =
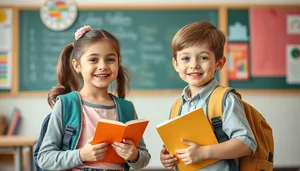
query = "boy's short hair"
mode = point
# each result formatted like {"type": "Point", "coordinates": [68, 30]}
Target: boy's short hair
{"type": "Point", "coordinates": [195, 34]}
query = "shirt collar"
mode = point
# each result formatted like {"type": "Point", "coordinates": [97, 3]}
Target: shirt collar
{"type": "Point", "coordinates": [203, 93]}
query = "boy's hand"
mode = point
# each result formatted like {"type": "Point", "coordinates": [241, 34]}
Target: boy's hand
{"type": "Point", "coordinates": [193, 153]}
{"type": "Point", "coordinates": [168, 160]}
{"type": "Point", "coordinates": [126, 149]}
{"type": "Point", "coordinates": [91, 152]}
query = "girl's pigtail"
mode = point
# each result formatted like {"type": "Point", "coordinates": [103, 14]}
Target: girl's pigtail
{"type": "Point", "coordinates": [65, 75]}
{"type": "Point", "coordinates": [123, 82]}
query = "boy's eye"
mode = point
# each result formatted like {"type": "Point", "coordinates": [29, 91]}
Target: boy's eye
{"type": "Point", "coordinates": [202, 58]}
{"type": "Point", "coordinates": [186, 58]}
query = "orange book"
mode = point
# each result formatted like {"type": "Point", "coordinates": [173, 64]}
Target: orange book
{"type": "Point", "coordinates": [193, 126]}
{"type": "Point", "coordinates": [114, 131]}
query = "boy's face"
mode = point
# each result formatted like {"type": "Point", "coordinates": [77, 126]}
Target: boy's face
{"type": "Point", "coordinates": [196, 65]}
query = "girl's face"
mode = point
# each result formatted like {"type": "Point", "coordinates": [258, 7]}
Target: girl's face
{"type": "Point", "coordinates": [98, 65]}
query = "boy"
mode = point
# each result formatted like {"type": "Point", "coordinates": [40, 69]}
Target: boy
{"type": "Point", "coordinates": [197, 55]}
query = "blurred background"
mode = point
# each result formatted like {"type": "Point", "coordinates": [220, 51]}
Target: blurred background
{"type": "Point", "coordinates": [263, 60]}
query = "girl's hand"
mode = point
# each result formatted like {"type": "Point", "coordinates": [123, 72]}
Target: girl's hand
{"type": "Point", "coordinates": [91, 152]}
{"type": "Point", "coordinates": [126, 149]}
{"type": "Point", "coordinates": [193, 153]}
{"type": "Point", "coordinates": [168, 160]}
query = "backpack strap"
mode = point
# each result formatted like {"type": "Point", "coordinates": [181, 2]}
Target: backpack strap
{"type": "Point", "coordinates": [71, 119]}
{"type": "Point", "coordinates": [124, 109]}
{"type": "Point", "coordinates": [176, 109]}
{"type": "Point", "coordinates": [215, 112]}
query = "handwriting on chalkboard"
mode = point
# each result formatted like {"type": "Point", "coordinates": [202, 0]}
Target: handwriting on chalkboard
{"type": "Point", "coordinates": [145, 37]}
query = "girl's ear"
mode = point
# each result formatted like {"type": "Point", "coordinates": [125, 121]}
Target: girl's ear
{"type": "Point", "coordinates": [221, 63]}
{"type": "Point", "coordinates": [76, 66]}
{"type": "Point", "coordinates": [175, 64]}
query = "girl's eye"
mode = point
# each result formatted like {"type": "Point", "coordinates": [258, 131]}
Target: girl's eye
{"type": "Point", "coordinates": [111, 59]}
{"type": "Point", "coordinates": [93, 59]}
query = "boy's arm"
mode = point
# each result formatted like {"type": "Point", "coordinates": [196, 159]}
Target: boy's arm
{"type": "Point", "coordinates": [237, 128]}
{"type": "Point", "coordinates": [231, 149]}
{"type": "Point", "coordinates": [143, 154]}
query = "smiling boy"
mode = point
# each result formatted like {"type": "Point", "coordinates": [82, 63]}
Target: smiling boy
{"type": "Point", "coordinates": [197, 54]}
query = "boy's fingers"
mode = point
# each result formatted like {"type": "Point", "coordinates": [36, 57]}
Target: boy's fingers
{"type": "Point", "coordinates": [164, 150]}
{"type": "Point", "coordinates": [168, 157]}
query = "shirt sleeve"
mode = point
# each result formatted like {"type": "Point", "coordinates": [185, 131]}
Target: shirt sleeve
{"type": "Point", "coordinates": [235, 123]}
{"type": "Point", "coordinates": [50, 156]}
{"type": "Point", "coordinates": [144, 155]}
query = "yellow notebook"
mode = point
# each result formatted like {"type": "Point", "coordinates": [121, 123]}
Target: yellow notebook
{"type": "Point", "coordinates": [193, 126]}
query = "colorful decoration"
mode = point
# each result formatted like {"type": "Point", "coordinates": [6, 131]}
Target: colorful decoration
{"type": "Point", "coordinates": [58, 15]}
{"type": "Point", "coordinates": [238, 61]}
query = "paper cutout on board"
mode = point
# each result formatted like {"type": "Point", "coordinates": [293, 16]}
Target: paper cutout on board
{"type": "Point", "coordinates": [5, 71]}
{"type": "Point", "coordinates": [293, 24]}
{"type": "Point", "coordinates": [238, 32]}
{"type": "Point", "coordinates": [293, 64]}
{"type": "Point", "coordinates": [5, 29]}
{"type": "Point", "coordinates": [238, 61]}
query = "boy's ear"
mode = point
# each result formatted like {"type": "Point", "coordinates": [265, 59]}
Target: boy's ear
{"type": "Point", "coordinates": [76, 66]}
{"type": "Point", "coordinates": [221, 63]}
{"type": "Point", "coordinates": [175, 64]}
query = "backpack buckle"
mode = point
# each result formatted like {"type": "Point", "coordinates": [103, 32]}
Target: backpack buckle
{"type": "Point", "coordinates": [70, 130]}
{"type": "Point", "coordinates": [216, 122]}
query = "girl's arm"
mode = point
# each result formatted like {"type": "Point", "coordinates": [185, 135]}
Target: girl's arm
{"type": "Point", "coordinates": [50, 156]}
{"type": "Point", "coordinates": [143, 156]}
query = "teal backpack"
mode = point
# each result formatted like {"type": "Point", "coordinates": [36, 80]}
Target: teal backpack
{"type": "Point", "coordinates": [72, 121]}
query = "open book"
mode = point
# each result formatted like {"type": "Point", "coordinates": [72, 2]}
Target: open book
{"type": "Point", "coordinates": [114, 131]}
{"type": "Point", "coordinates": [193, 126]}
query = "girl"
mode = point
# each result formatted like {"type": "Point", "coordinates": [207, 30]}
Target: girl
{"type": "Point", "coordinates": [89, 66]}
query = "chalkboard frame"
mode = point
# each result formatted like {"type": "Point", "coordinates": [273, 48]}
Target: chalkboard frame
{"type": "Point", "coordinates": [222, 21]}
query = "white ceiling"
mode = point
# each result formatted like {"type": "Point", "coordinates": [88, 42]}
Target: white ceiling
{"type": "Point", "coordinates": [83, 2]}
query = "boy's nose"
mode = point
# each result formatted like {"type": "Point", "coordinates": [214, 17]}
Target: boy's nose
{"type": "Point", "coordinates": [195, 64]}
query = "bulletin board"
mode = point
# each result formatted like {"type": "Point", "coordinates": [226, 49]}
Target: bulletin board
{"type": "Point", "coordinates": [264, 49]}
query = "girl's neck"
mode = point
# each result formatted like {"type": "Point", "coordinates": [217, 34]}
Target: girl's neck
{"type": "Point", "coordinates": [99, 96]}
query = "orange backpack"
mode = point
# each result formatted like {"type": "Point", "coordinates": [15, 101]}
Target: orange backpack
{"type": "Point", "coordinates": [264, 154]}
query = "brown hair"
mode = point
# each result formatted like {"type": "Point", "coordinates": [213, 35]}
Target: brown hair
{"type": "Point", "coordinates": [195, 34]}
{"type": "Point", "coordinates": [69, 80]}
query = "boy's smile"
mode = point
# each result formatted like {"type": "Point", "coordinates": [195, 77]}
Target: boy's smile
{"type": "Point", "coordinates": [196, 65]}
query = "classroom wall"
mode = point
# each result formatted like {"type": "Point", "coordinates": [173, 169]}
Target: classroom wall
{"type": "Point", "coordinates": [281, 111]}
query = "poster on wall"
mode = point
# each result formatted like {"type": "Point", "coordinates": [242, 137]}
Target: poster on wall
{"type": "Point", "coordinates": [5, 48]}
{"type": "Point", "coordinates": [293, 64]}
{"type": "Point", "coordinates": [271, 30]}
{"type": "Point", "coordinates": [293, 24]}
{"type": "Point", "coordinates": [238, 61]}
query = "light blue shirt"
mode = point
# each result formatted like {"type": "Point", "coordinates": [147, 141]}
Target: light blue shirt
{"type": "Point", "coordinates": [235, 123]}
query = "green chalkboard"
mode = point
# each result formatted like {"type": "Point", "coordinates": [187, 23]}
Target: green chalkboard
{"type": "Point", "coordinates": [240, 17]}
{"type": "Point", "coordinates": [145, 37]}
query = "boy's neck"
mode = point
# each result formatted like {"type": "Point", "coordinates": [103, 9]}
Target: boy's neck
{"type": "Point", "coordinates": [195, 90]}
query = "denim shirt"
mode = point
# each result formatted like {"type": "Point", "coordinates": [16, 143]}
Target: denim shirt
{"type": "Point", "coordinates": [235, 123]}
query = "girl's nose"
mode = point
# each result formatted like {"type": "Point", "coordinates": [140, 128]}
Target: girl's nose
{"type": "Point", "coordinates": [102, 65]}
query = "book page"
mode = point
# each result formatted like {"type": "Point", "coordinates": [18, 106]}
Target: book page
{"type": "Point", "coordinates": [134, 132]}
